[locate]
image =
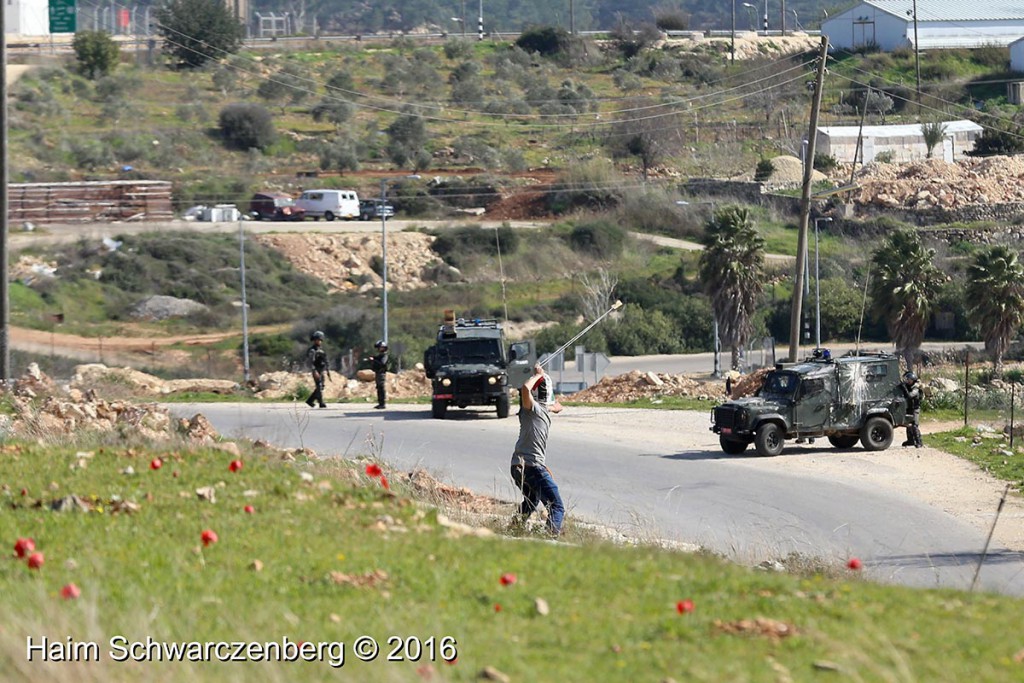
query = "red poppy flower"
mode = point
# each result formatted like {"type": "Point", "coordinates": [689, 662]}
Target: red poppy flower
{"type": "Point", "coordinates": [497, 608]}
{"type": "Point", "coordinates": [35, 560]}
{"type": "Point", "coordinates": [24, 546]}
{"type": "Point", "coordinates": [384, 482]}
{"type": "Point", "coordinates": [24, 492]}
{"type": "Point", "coordinates": [209, 537]}
{"type": "Point", "coordinates": [70, 592]}
{"type": "Point", "coordinates": [156, 463]}
{"type": "Point", "coordinates": [235, 465]}
{"type": "Point", "coordinates": [854, 564]}
{"type": "Point", "coordinates": [684, 606]}
{"type": "Point", "coordinates": [249, 509]}
{"type": "Point", "coordinates": [373, 470]}
{"type": "Point", "coordinates": [508, 579]}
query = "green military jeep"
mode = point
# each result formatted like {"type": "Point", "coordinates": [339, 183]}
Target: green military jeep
{"type": "Point", "coordinates": [853, 398]}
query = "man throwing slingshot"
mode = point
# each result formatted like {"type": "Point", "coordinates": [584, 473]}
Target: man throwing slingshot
{"type": "Point", "coordinates": [529, 471]}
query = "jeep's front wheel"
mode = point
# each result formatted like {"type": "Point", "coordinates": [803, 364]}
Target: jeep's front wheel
{"type": "Point", "coordinates": [438, 409]}
{"type": "Point", "coordinates": [768, 439]}
{"type": "Point", "coordinates": [876, 434]}
{"type": "Point", "coordinates": [732, 446]}
{"type": "Point", "coordinates": [844, 440]}
{"type": "Point", "coordinates": [503, 406]}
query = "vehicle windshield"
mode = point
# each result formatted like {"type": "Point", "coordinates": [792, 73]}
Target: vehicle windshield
{"type": "Point", "coordinates": [283, 201]}
{"type": "Point", "coordinates": [470, 351]}
{"type": "Point", "coordinates": [780, 385]}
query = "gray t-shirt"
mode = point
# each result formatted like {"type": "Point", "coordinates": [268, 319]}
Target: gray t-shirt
{"type": "Point", "coordinates": [533, 436]}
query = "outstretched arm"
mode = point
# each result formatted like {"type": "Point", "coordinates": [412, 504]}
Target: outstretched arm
{"type": "Point", "coordinates": [525, 391]}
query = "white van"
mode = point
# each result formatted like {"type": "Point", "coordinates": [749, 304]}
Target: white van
{"type": "Point", "coordinates": [329, 204]}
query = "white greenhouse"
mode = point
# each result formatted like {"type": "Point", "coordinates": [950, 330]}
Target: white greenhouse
{"type": "Point", "coordinates": [889, 24]}
{"type": "Point", "coordinates": [903, 142]}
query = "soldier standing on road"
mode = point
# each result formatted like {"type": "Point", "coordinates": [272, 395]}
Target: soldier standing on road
{"type": "Point", "coordinates": [529, 471]}
{"type": "Point", "coordinates": [379, 364]}
{"type": "Point", "coordinates": [317, 358]}
{"type": "Point", "coordinates": [913, 394]}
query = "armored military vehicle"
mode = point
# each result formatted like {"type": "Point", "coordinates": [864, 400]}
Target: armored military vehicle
{"type": "Point", "coordinates": [472, 365]}
{"type": "Point", "coordinates": [853, 398]}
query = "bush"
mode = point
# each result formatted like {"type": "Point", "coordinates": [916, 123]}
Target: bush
{"type": "Point", "coordinates": [549, 41]}
{"type": "Point", "coordinates": [601, 239]}
{"type": "Point", "coordinates": [639, 332]}
{"type": "Point", "coordinates": [657, 212]}
{"type": "Point", "coordinates": [884, 157]}
{"type": "Point", "coordinates": [96, 52]}
{"type": "Point", "coordinates": [826, 163]}
{"type": "Point", "coordinates": [764, 170]}
{"type": "Point", "coordinates": [458, 48]}
{"type": "Point", "coordinates": [671, 19]}
{"type": "Point", "coordinates": [246, 126]}
{"type": "Point", "coordinates": [457, 246]}
{"type": "Point", "coordinates": [590, 185]}
{"type": "Point", "coordinates": [991, 56]}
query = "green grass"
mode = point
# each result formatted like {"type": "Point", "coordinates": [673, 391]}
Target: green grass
{"type": "Point", "coordinates": [659, 403]}
{"type": "Point", "coordinates": [991, 452]}
{"type": "Point", "coordinates": [613, 610]}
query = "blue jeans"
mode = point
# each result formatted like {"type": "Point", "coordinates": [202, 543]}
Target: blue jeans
{"type": "Point", "coordinates": [538, 487]}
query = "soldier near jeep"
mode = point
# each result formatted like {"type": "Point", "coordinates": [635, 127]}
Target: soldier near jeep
{"type": "Point", "coordinates": [912, 391]}
{"type": "Point", "coordinates": [317, 359]}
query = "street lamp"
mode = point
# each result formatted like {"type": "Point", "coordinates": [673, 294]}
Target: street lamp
{"type": "Point", "coordinates": [753, 23]}
{"type": "Point", "coordinates": [766, 18]}
{"type": "Point", "coordinates": [817, 284]}
{"type": "Point", "coordinates": [480, 24]}
{"type": "Point", "coordinates": [463, 22]}
{"type": "Point", "coordinates": [384, 252]}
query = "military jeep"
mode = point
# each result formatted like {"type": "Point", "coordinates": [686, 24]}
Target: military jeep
{"type": "Point", "coordinates": [853, 398]}
{"type": "Point", "coordinates": [471, 365]}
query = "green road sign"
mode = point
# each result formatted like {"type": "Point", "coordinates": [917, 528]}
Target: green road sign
{"type": "Point", "coordinates": [62, 16]}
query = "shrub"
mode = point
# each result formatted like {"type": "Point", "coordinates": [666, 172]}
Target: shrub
{"type": "Point", "coordinates": [458, 48]}
{"type": "Point", "coordinates": [96, 52]}
{"type": "Point", "coordinates": [640, 332]}
{"type": "Point", "coordinates": [826, 163]}
{"type": "Point", "coordinates": [991, 56]}
{"type": "Point", "coordinates": [548, 41]}
{"type": "Point", "coordinates": [884, 157]}
{"type": "Point", "coordinates": [245, 125]}
{"type": "Point", "coordinates": [591, 185]}
{"type": "Point", "coordinates": [457, 246]}
{"type": "Point", "coordinates": [671, 19]}
{"type": "Point", "coordinates": [764, 170]}
{"type": "Point", "coordinates": [601, 238]}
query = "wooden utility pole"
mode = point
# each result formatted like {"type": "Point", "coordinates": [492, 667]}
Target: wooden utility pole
{"type": "Point", "coordinates": [5, 308]}
{"type": "Point", "coordinates": [805, 207]}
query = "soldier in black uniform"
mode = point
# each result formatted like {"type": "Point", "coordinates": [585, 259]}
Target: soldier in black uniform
{"type": "Point", "coordinates": [913, 394]}
{"type": "Point", "coordinates": [317, 358]}
{"type": "Point", "coordinates": [379, 364]}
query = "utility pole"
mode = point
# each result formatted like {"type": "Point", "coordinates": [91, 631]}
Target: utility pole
{"type": "Point", "coordinates": [805, 207]}
{"type": "Point", "coordinates": [572, 18]}
{"type": "Point", "coordinates": [783, 23]}
{"type": "Point", "coordinates": [5, 309]}
{"type": "Point", "coordinates": [917, 58]}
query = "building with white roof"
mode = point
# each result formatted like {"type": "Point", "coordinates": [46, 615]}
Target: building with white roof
{"type": "Point", "coordinates": [940, 24]}
{"type": "Point", "coordinates": [904, 142]}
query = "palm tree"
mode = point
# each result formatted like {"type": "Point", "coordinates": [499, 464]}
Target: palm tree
{"type": "Point", "coordinates": [933, 132]}
{"type": "Point", "coordinates": [905, 284]}
{"type": "Point", "coordinates": [995, 299]}
{"type": "Point", "coordinates": [732, 273]}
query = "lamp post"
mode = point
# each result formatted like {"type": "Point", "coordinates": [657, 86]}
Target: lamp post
{"type": "Point", "coordinates": [732, 48]}
{"type": "Point", "coordinates": [463, 22]}
{"type": "Point", "coordinates": [817, 284]}
{"type": "Point", "coordinates": [917, 56]}
{"type": "Point", "coordinates": [753, 22]}
{"type": "Point", "coordinates": [384, 252]}
{"type": "Point", "coordinates": [766, 18]}
{"type": "Point", "coordinates": [480, 24]}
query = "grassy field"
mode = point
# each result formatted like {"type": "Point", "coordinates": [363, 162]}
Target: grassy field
{"type": "Point", "coordinates": [328, 555]}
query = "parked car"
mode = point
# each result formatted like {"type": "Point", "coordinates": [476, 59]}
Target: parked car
{"type": "Point", "coordinates": [329, 204]}
{"type": "Point", "coordinates": [372, 209]}
{"type": "Point", "coordinates": [274, 206]}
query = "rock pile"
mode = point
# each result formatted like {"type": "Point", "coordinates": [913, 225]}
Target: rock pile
{"type": "Point", "coordinates": [347, 262]}
{"type": "Point", "coordinates": [278, 385]}
{"type": "Point", "coordinates": [636, 385]}
{"type": "Point", "coordinates": [43, 410]}
{"type": "Point", "coordinates": [934, 183]}
{"type": "Point", "coordinates": [89, 375]}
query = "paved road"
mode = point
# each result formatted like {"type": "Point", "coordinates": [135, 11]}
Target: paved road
{"type": "Point", "coordinates": [627, 469]}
